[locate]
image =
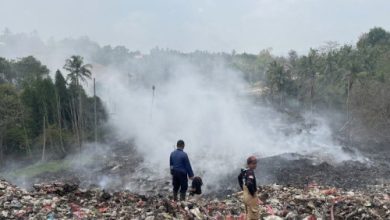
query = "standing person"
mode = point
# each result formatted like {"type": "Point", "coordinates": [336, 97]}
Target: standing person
{"type": "Point", "coordinates": [247, 181]}
{"type": "Point", "coordinates": [181, 170]}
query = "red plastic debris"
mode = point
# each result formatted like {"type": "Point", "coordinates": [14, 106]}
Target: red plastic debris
{"type": "Point", "coordinates": [79, 214]}
{"type": "Point", "coordinates": [74, 207]}
{"type": "Point", "coordinates": [242, 216]}
{"type": "Point", "coordinates": [103, 209]}
{"type": "Point", "coordinates": [331, 191]}
{"type": "Point", "coordinates": [140, 203]}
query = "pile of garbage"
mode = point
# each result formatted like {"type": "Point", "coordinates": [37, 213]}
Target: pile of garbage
{"type": "Point", "coordinates": [58, 200]}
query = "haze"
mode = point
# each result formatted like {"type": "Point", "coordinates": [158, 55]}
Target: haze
{"type": "Point", "coordinates": [223, 25]}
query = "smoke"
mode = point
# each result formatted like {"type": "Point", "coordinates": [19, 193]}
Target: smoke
{"type": "Point", "coordinates": [207, 105]}
{"type": "Point", "coordinates": [213, 113]}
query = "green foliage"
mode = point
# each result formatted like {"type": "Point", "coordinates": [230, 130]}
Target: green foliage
{"type": "Point", "coordinates": [37, 112]}
{"type": "Point", "coordinates": [77, 70]}
{"type": "Point", "coordinates": [40, 101]}
{"type": "Point", "coordinates": [89, 118]}
{"type": "Point", "coordinates": [29, 69]}
{"type": "Point", "coordinates": [6, 73]}
{"type": "Point", "coordinates": [253, 67]}
{"type": "Point", "coordinates": [354, 80]}
{"type": "Point", "coordinates": [375, 37]}
{"type": "Point", "coordinates": [15, 140]}
{"type": "Point", "coordinates": [11, 139]}
{"type": "Point", "coordinates": [63, 100]}
{"type": "Point", "coordinates": [9, 104]}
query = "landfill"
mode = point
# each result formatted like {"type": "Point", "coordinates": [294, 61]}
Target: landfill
{"type": "Point", "coordinates": [61, 200]}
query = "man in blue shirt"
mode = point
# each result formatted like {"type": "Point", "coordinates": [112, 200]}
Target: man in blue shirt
{"type": "Point", "coordinates": [181, 170]}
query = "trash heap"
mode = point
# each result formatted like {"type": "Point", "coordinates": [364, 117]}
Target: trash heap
{"type": "Point", "coordinates": [58, 200]}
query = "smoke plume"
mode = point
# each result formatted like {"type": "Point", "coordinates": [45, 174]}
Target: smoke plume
{"type": "Point", "coordinates": [157, 99]}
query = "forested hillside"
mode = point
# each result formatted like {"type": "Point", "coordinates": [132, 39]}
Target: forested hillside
{"type": "Point", "coordinates": [42, 116]}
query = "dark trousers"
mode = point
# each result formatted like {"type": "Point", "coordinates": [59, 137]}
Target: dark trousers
{"type": "Point", "coordinates": [179, 181]}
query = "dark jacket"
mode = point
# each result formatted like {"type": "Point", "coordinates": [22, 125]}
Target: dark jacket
{"type": "Point", "coordinates": [247, 177]}
{"type": "Point", "coordinates": [179, 162]}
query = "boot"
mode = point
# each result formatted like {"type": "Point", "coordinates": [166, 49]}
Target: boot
{"type": "Point", "coordinates": [182, 196]}
{"type": "Point", "coordinates": [174, 196]}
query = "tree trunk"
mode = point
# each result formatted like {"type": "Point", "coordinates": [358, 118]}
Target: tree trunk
{"type": "Point", "coordinates": [348, 127]}
{"type": "Point", "coordinates": [94, 108]}
{"type": "Point", "coordinates": [28, 149]}
{"type": "Point", "coordinates": [312, 93]}
{"type": "Point", "coordinates": [74, 122]}
{"type": "Point", "coordinates": [281, 90]}
{"type": "Point", "coordinates": [80, 117]}
{"type": "Point", "coordinates": [44, 138]}
{"type": "Point", "coordinates": [60, 123]}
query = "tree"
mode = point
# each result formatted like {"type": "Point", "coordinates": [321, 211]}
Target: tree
{"type": "Point", "coordinates": [78, 71]}
{"type": "Point", "coordinates": [6, 73]}
{"type": "Point", "coordinates": [275, 79]}
{"type": "Point", "coordinates": [40, 101]}
{"type": "Point", "coordinates": [10, 113]}
{"type": "Point", "coordinates": [29, 69]}
{"type": "Point", "coordinates": [62, 99]}
{"type": "Point", "coordinates": [308, 70]}
{"type": "Point", "coordinates": [376, 36]}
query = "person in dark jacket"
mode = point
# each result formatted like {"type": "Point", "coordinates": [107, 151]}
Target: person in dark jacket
{"type": "Point", "coordinates": [247, 182]}
{"type": "Point", "coordinates": [181, 170]}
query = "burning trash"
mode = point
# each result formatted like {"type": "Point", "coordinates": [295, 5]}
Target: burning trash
{"type": "Point", "coordinates": [59, 200]}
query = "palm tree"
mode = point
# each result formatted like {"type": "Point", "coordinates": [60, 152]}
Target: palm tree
{"type": "Point", "coordinates": [78, 71]}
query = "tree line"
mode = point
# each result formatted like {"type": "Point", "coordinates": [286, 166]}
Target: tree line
{"type": "Point", "coordinates": [349, 79]}
{"type": "Point", "coordinates": [42, 117]}
{"type": "Point", "coordinates": [353, 79]}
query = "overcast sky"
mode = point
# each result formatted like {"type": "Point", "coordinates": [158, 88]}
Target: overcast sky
{"type": "Point", "coordinates": [187, 25]}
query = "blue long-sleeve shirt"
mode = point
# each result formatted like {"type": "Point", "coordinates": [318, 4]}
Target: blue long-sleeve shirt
{"type": "Point", "coordinates": [179, 161]}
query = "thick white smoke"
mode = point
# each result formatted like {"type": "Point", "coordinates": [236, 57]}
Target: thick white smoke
{"type": "Point", "coordinates": [212, 112]}
{"type": "Point", "coordinates": [209, 108]}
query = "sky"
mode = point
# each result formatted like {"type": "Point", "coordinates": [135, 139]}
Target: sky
{"type": "Point", "coordinates": [188, 25]}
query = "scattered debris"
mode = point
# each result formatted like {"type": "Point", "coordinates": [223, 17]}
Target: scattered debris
{"type": "Point", "coordinates": [59, 200]}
